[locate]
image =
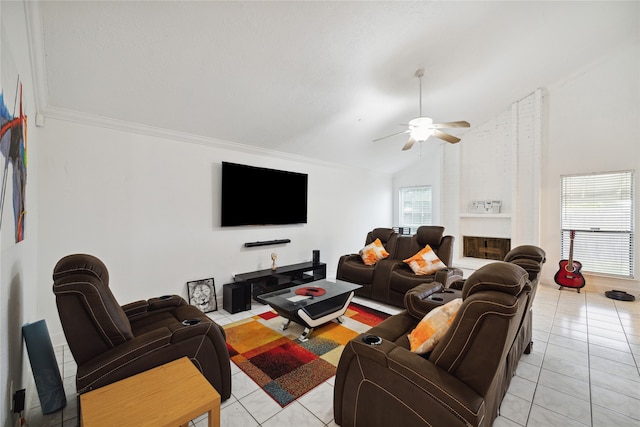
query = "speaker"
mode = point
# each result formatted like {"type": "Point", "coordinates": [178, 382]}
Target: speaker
{"type": "Point", "coordinates": [316, 256]}
{"type": "Point", "coordinates": [236, 297]}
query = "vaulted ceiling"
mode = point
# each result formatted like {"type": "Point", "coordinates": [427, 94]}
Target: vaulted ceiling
{"type": "Point", "coordinates": [313, 79]}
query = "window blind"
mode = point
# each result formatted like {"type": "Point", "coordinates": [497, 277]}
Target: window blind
{"type": "Point", "coordinates": [600, 209]}
{"type": "Point", "coordinates": [415, 206]}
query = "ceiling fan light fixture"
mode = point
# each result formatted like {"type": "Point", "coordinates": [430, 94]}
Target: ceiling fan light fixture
{"type": "Point", "coordinates": [421, 128]}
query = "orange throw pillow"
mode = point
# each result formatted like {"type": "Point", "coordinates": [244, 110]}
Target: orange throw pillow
{"type": "Point", "coordinates": [373, 252]}
{"type": "Point", "coordinates": [425, 262]}
{"type": "Point", "coordinates": [433, 326]}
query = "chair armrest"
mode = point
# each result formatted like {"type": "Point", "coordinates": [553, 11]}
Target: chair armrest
{"type": "Point", "coordinates": [414, 299]}
{"type": "Point", "coordinates": [165, 301]}
{"type": "Point", "coordinates": [435, 396]}
{"type": "Point", "coordinates": [183, 331]}
{"type": "Point", "coordinates": [458, 284]}
{"type": "Point", "coordinates": [448, 276]}
{"type": "Point", "coordinates": [121, 361]}
{"type": "Point", "coordinates": [135, 308]}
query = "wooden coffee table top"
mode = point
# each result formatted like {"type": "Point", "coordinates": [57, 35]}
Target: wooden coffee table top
{"type": "Point", "coordinates": [168, 395]}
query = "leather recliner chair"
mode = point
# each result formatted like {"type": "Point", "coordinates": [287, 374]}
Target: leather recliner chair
{"type": "Point", "coordinates": [110, 342]}
{"type": "Point", "coordinates": [461, 382]}
{"type": "Point", "coordinates": [352, 269]}
{"type": "Point", "coordinates": [401, 278]}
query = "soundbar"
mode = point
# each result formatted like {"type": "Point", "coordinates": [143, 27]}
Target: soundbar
{"type": "Point", "coordinates": [266, 243]}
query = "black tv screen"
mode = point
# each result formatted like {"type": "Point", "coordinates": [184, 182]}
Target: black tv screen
{"type": "Point", "coordinates": [254, 195]}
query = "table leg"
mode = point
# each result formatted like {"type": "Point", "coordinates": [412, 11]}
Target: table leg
{"type": "Point", "coordinates": [285, 325]}
{"type": "Point", "coordinates": [339, 319]}
{"type": "Point", "coordinates": [214, 418]}
{"type": "Point", "coordinates": [305, 335]}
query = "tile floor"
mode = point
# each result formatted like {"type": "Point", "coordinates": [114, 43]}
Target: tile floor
{"type": "Point", "coordinates": [583, 371]}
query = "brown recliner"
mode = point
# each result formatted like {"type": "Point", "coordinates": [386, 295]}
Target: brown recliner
{"type": "Point", "coordinates": [352, 269]}
{"type": "Point", "coordinates": [400, 276]}
{"type": "Point", "coordinates": [110, 342]}
{"type": "Point", "coordinates": [461, 382]}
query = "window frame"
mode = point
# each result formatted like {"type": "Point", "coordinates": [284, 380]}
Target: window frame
{"type": "Point", "coordinates": [427, 218]}
{"type": "Point", "coordinates": [599, 207]}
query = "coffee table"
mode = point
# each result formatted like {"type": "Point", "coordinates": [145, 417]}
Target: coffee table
{"type": "Point", "coordinates": [311, 309]}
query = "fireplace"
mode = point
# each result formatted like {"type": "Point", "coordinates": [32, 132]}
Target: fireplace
{"type": "Point", "coordinates": [485, 247]}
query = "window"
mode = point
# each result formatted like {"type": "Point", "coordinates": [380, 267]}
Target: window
{"type": "Point", "coordinates": [599, 208]}
{"type": "Point", "coordinates": [415, 206]}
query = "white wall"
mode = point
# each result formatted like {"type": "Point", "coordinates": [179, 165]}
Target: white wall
{"type": "Point", "coordinates": [18, 275]}
{"type": "Point", "coordinates": [593, 126]}
{"type": "Point", "coordinates": [426, 170]}
{"type": "Point", "coordinates": [590, 122]}
{"type": "Point", "coordinates": [149, 208]}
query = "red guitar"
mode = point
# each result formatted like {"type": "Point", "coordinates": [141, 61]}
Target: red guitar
{"type": "Point", "coordinates": [569, 273]}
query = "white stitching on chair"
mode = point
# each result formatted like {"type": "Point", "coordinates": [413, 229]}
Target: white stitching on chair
{"type": "Point", "coordinates": [392, 362]}
{"type": "Point", "coordinates": [435, 385]}
{"type": "Point", "coordinates": [472, 329]}
{"type": "Point", "coordinates": [202, 340]}
{"type": "Point", "coordinates": [496, 284]}
{"type": "Point", "coordinates": [88, 386]}
{"type": "Point", "coordinates": [91, 308]}
{"type": "Point", "coordinates": [124, 355]}
{"type": "Point", "coordinates": [390, 395]}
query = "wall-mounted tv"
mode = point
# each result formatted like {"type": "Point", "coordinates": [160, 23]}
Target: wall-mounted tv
{"type": "Point", "coordinates": [254, 195]}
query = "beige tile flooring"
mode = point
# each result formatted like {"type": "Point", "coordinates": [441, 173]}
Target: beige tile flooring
{"type": "Point", "coordinates": [583, 371]}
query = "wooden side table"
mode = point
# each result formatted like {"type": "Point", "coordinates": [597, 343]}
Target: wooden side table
{"type": "Point", "coordinates": [169, 395]}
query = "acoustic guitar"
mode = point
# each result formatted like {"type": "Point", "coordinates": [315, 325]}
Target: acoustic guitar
{"type": "Point", "coordinates": [568, 274]}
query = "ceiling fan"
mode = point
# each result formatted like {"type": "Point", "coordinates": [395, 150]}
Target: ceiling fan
{"type": "Point", "coordinates": [421, 128]}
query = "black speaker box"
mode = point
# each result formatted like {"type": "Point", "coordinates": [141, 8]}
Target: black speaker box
{"type": "Point", "coordinates": [316, 256]}
{"type": "Point", "coordinates": [236, 297]}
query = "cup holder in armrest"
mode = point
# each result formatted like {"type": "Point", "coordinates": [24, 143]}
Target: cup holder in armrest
{"type": "Point", "coordinates": [436, 298]}
{"type": "Point", "coordinates": [190, 322]}
{"type": "Point", "coordinates": [448, 291]}
{"type": "Point", "coordinates": [165, 297]}
{"type": "Point", "coordinates": [372, 339]}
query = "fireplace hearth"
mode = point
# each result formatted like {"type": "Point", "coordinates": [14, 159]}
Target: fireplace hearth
{"type": "Point", "coordinates": [485, 247]}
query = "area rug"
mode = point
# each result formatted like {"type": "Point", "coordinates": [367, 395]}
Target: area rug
{"type": "Point", "coordinates": [285, 368]}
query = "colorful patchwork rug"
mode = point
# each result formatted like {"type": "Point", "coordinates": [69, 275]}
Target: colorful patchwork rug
{"type": "Point", "coordinates": [284, 367]}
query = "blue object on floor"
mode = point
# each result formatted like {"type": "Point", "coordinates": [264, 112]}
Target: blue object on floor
{"type": "Point", "coordinates": [44, 366]}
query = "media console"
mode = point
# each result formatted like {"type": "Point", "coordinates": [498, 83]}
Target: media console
{"type": "Point", "coordinates": [237, 295]}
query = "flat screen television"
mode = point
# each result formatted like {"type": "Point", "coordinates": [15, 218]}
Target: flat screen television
{"type": "Point", "coordinates": [254, 195]}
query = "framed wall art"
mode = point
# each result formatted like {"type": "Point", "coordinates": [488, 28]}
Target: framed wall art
{"type": "Point", "coordinates": [202, 294]}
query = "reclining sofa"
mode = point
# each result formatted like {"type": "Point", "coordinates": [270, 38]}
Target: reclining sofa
{"type": "Point", "coordinates": [110, 342]}
{"type": "Point", "coordinates": [389, 279]}
{"type": "Point", "coordinates": [463, 379]}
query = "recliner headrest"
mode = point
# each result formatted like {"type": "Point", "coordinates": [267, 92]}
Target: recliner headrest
{"type": "Point", "coordinates": [498, 276]}
{"type": "Point", "coordinates": [529, 252]}
{"type": "Point", "coordinates": [81, 263]}
{"type": "Point", "coordinates": [528, 257]}
{"type": "Point", "coordinates": [429, 235]}
{"type": "Point", "coordinates": [384, 234]}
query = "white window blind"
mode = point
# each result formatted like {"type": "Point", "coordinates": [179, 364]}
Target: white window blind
{"type": "Point", "coordinates": [415, 206]}
{"type": "Point", "coordinates": [600, 209]}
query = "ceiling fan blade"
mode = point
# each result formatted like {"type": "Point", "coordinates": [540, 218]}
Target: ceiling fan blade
{"type": "Point", "coordinates": [460, 124]}
{"type": "Point", "coordinates": [389, 136]}
{"type": "Point", "coordinates": [409, 144]}
{"type": "Point", "coordinates": [446, 137]}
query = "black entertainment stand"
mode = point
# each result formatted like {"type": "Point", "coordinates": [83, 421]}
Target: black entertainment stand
{"type": "Point", "coordinates": [237, 296]}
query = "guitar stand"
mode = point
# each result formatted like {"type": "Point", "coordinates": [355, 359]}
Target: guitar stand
{"type": "Point", "coordinates": [568, 287]}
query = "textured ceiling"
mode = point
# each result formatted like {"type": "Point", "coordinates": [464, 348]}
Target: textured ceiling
{"type": "Point", "coordinates": [315, 79]}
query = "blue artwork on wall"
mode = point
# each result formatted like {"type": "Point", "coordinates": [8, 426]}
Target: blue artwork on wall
{"type": "Point", "coordinates": [13, 147]}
